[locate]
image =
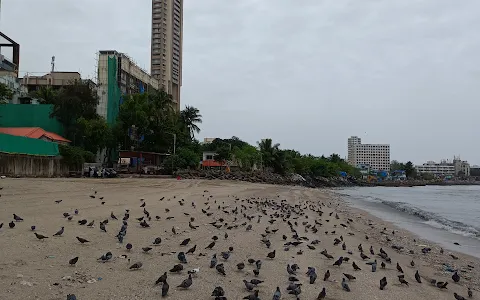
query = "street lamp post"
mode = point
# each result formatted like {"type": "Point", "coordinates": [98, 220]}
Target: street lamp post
{"type": "Point", "coordinates": [174, 146]}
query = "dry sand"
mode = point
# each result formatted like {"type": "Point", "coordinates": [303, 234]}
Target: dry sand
{"type": "Point", "coordinates": [38, 269]}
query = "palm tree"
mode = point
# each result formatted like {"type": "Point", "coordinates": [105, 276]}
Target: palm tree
{"type": "Point", "coordinates": [268, 151]}
{"type": "Point", "coordinates": [190, 117]}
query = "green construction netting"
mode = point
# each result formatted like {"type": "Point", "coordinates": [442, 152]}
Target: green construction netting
{"type": "Point", "coordinates": [29, 115]}
{"type": "Point", "coordinates": [114, 93]}
{"type": "Point", "coordinates": [23, 145]}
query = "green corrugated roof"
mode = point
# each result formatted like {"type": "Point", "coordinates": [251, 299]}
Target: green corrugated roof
{"type": "Point", "coordinates": [23, 145]}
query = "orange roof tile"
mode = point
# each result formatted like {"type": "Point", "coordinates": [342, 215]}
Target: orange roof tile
{"type": "Point", "coordinates": [213, 163]}
{"type": "Point", "coordinates": [33, 132]}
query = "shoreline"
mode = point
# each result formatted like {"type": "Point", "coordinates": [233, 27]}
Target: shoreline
{"type": "Point", "coordinates": [33, 199]}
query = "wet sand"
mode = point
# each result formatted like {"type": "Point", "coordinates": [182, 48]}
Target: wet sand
{"type": "Point", "coordinates": [39, 269]}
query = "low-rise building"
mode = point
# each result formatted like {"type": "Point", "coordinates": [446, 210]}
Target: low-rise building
{"type": "Point", "coordinates": [55, 80]}
{"type": "Point", "coordinates": [35, 133]}
{"type": "Point", "coordinates": [455, 167]}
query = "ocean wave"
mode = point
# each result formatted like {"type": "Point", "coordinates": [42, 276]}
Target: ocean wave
{"type": "Point", "coordinates": [435, 220]}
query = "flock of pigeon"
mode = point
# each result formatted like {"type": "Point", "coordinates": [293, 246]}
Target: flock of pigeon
{"type": "Point", "coordinates": [243, 214]}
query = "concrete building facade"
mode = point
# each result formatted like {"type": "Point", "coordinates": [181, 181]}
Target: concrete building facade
{"type": "Point", "coordinates": [167, 46]}
{"type": "Point", "coordinates": [13, 83]}
{"type": "Point", "coordinates": [376, 156]}
{"type": "Point", "coordinates": [55, 80]}
{"type": "Point", "coordinates": [457, 167]}
{"type": "Point", "coordinates": [119, 75]}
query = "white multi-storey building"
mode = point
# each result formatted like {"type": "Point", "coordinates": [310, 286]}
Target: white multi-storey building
{"type": "Point", "coordinates": [457, 167]}
{"type": "Point", "coordinates": [376, 156]}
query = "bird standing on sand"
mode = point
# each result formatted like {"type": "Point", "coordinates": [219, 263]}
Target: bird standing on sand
{"type": "Point", "coordinates": [322, 294]}
{"type": "Point", "coordinates": [470, 294]}
{"type": "Point", "coordinates": [402, 280]}
{"type": "Point", "coordinates": [383, 283]}
{"type": "Point", "coordinates": [455, 277]}
{"type": "Point", "coordinates": [17, 218]}
{"type": "Point", "coordinates": [40, 237]}
{"type": "Point", "coordinates": [399, 269]}
{"type": "Point", "coordinates": [213, 261]}
{"type": "Point", "coordinates": [345, 285]}
{"type": "Point", "coordinates": [161, 279]}
{"type": "Point", "coordinates": [82, 240]}
{"type": "Point", "coordinates": [73, 261]}
{"type": "Point", "coordinates": [11, 224]}
{"type": "Point", "coordinates": [277, 294]}
{"type": "Point", "coordinates": [326, 276]}
{"type": "Point", "coordinates": [187, 282]}
{"type": "Point", "coordinates": [165, 288]}
{"type": "Point", "coordinates": [136, 266]}
{"type": "Point", "coordinates": [182, 258]}
{"type": "Point", "coordinates": [71, 297]}
{"type": "Point", "coordinates": [417, 277]}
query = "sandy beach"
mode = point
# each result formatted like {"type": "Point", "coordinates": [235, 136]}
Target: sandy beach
{"type": "Point", "coordinates": [39, 269]}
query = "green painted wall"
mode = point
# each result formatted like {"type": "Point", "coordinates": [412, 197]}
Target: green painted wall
{"type": "Point", "coordinates": [29, 115]}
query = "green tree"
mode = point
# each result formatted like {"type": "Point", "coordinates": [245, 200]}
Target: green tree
{"type": "Point", "coordinates": [190, 117]}
{"type": "Point", "coordinates": [72, 102]}
{"type": "Point", "coordinates": [6, 94]}
{"type": "Point", "coordinates": [94, 133]}
{"type": "Point", "coordinates": [269, 152]}
{"type": "Point", "coordinates": [410, 170]}
{"type": "Point", "coordinates": [46, 94]}
{"type": "Point", "coordinates": [247, 156]}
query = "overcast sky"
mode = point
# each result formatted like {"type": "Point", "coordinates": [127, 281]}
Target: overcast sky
{"type": "Point", "coordinates": [307, 74]}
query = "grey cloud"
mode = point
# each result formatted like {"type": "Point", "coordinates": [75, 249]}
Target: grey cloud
{"type": "Point", "coordinates": [307, 73]}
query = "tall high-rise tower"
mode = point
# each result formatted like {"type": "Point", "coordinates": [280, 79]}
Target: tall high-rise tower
{"type": "Point", "coordinates": [167, 44]}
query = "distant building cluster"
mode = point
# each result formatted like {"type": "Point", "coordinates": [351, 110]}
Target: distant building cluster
{"type": "Point", "coordinates": [445, 168]}
{"type": "Point", "coordinates": [368, 156]}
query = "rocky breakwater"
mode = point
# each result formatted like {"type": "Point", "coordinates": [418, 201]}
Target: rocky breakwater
{"type": "Point", "coordinates": [268, 178]}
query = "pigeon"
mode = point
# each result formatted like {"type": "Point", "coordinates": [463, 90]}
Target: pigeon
{"type": "Point", "coordinates": [399, 268]}
{"type": "Point", "coordinates": [73, 261]}
{"type": "Point", "coordinates": [349, 277]}
{"type": "Point", "coordinates": [313, 275]}
{"type": "Point", "coordinates": [225, 255]}
{"type": "Point", "coordinates": [33, 227]}
{"type": "Point", "coordinates": [11, 224]}
{"type": "Point", "coordinates": [322, 294]}
{"type": "Point", "coordinates": [213, 261]}
{"type": "Point", "coordinates": [176, 268]}
{"type": "Point", "coordinates": [17, 218]}
{"type": "Point", "coordinates": [161, 279]}
{"type": "Point", "coordinates": [442, 285]}
{"type": "Point", "coordinates": [277, 294]}
{"type": "Point", "coordinates": [218, 292]}
{"type": "Point", "coordinates": [187, 282]}
{"type": "Point", "coordinates": [345, 285]}
{"type": "Point", "coordinates": [165, 288]}
{"type": "Point", "coordinates": [106, 257]}
{"type": "Point", "coordinates": [470, 294]}
{"type": "Point", "coordinates": [40, 237]}
{"type": "Point", "coordinates": [58, 201]}
{"type": "Point", "coordinates": [136, 266]}
{"type": "Point", "coordinates": [240, 266]}
{"type": "Point", "coordinates": [455, 277]}
{"type": "Point", "coordinates": [458, 297]}
{"type": "Point", "coordinates": [210, 246]}
{"type": "Point", "coordinates": [417, 277]}
{"type": "Point", "coordinates": [220, 269]}
{"type": "Point", "coordinates": [253, 296]}
{"type": "Point", "coordinates": [326, 276]}
{"type": "Point", "coordinates": [113, 216]}
{"type": "Point", "coordinates": [339, 262]}
{"type": "Point", "coordinates": [191, 250]}
{"type": "Point", "coordinates": [146, 249]}
{"type": "Point", "coordinates": [185, 242]}
{"type": "Point", "coordinates": [412, 264]}
{"type": "Point", "coordinates": [82, 240]}
{"type": "Point", "coordinates": [157, 241]}
{"type": "Point", "coordinates": [71, 297]}
{"type": "Point", "coordinates": [102, 227]}
{"type": "Point", "coordinates": [248, 285]}
{"type": "Point", "coordinates": [182, 258]}
{"type": "Point", "coordinates": [256, 281]}
{"type": "Point", "coordinates": [290, 270]}
{"type": "Point", "coordinates": [271, 255]}
{"type": "Point", "coordinates": [402, 280]}
{"type": "Point", "coordinates": [383, 283]}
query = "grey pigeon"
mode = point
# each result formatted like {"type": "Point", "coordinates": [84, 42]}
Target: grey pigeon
{"type": "Point", "coordinates": [165, 288]}
{"type": "Point", "coordinates": [248, 285]}
{"type": "Point", "coordinates": [277, 294]}
{"type": "Point", "coordinates": [220, 269]}
{"type": "Point", "coordinates": [187, 282]}
{"type": "Point", "coordinates": [60, 232]}
{"type": "Point", "coordinates": [71, 297]}
{"type": "Point", "coordinates": [213, 261]}
{"type": "Point", "coordinates": [345, 285]}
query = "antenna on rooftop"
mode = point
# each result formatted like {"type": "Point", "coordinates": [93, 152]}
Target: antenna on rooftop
{"type": "Point", "coordinates": [53, 61]}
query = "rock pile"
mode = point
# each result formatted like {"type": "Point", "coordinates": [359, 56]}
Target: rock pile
{"type": "Point", "coordinates": [267, 177]}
